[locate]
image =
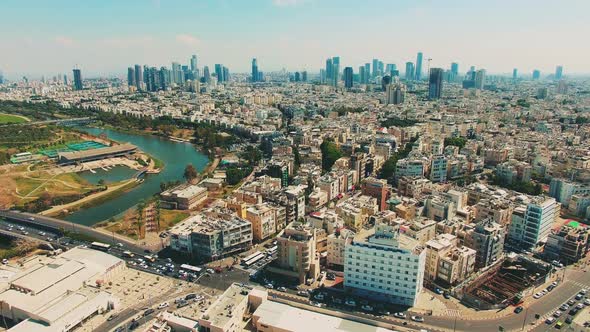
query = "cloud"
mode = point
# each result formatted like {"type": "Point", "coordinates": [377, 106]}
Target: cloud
{"type": "Point", "coordinates": [188, 40]}
{"type": "Point", "coordinates": [285, 3]}
{"type": "Point", "coordinates": [63, 41]}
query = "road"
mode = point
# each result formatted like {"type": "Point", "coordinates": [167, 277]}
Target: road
{"type": "Point", "coordinates": [61, 225]}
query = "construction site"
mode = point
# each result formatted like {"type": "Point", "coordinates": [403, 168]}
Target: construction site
{"type": "Point", "coordinates": [505, 283]}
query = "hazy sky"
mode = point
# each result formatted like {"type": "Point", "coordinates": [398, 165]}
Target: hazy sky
{"type": "Point", "coordinates": [106, 36]}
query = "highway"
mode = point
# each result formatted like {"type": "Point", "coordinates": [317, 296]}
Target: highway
{"type": "Point", "coordinates": [60, 226]}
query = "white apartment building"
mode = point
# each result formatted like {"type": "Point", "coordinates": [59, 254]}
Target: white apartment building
{"type": "Point", "coordinates": [384, 264]}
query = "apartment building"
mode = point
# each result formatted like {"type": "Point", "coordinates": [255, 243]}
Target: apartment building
{"type": "Point", "coordinates": [297, 256]}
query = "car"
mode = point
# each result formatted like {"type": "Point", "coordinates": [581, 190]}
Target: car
{"type": "Point", "coordinates": [579, 296]}
{"type": "Point", "coordinates": [211, 271]}
{"type": "Point", "coordinates": [550, 320]}
{"type": "Point", "coordinates": [564, 307]}
{"type": "Point", "coordinates": [550, 287]}
{"type": "Point", "coordinates": [282, 289]}
{"type": "Point", "coordinates": [400, 315]}
{"type": "Point", "coordinates": [557, 314]}
{"type": "Point", "coordinates": [190, 296]}
{"type": "Point", "coordinates": [569, 320]}
{"type": "Point", "coordinates": [574, 311]}
{"type": "Point", "coordinates": [337, 300]}
{"type": "Point", "coordinates": [113, 316]}
{"type": "Point", "coordinates": [303, 293]}
{"type": "Point", "coordinates": [319, 296]}
{"type": "Point", "coordinates": [367, 307]}
{"type": "Point", "coordinates": [317, 304]}
{"type": "Point", "coordinates": [447, 295]}
{"type": "Point", "coordinates": [331, 276]}
{"type": "Point", "coordinates": [269, 286]}
{"type": "Point", "coordinates": [163, 305]}
{"type": "Point", "coordinates": [538, 296]}
{"type": "Point", "coordinates": [119, 329]}
{"type": "Point", "coordinates": [148, 312]}
{"type": "Point", "coordinates": [571, 302]}
{"type": "Point", "coordinates": [584, 291]}
{"type": "Point", "coordinates": [544, 291]}
{"type": "Point", "coordinates": [418, 319]}
{"type": "Point", "coordinates": [587, 302]}
{"type": "Point", "coordinates": [554, 284]}
{"type": "Point", "coordinates": [559, 325]}
{"type": "Point", "coordinates": [350, 303]}
{"type": "Point", "coordinates": [41, 233]}
{"type": "Point", "coordinates": [181, 304]}
{"type": "Point", "coordinates": [438, 291]}
{"type": "Point", "coordinates": [4, 261]}
{"type": "Point", "coordinates": [518, 309]}
{"type": "Point", "coordinates": [579, 306]}
{"type": "Point", "coordinates": [31, 219]}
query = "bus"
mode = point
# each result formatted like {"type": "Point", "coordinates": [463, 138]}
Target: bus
{"type": "Point", "coordinates": [272, 250]}
{"type": "Point", "coordinates": [254, 260]}
{"type": "Point", "coordinates": [249, 257]}
{"type": "Point", "coordinates": [128, 254]}
{"type": "Point", "coordinates": [100, 246]}
{"type": "Point", "coordinates": [149, 258]}
{"type": "Point", "coordinates": [191, 268]}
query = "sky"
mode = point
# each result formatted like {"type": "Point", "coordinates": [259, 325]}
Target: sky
{"type": "Point", "coordinates": [104, 37]}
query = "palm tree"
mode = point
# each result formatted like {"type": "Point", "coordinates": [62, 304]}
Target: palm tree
{"type": "Point", "coordinates": [139, 209]}
{"type": "Point", "coordinates": [158, 215]}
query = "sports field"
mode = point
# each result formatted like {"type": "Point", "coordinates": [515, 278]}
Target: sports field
{"type": "Point", "coordinates": [8, 118]}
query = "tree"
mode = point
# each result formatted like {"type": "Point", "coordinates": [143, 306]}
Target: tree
{"type": "Point", "coordinates": [330, 153]}
{"type": "Point", "coordinates": [101, 182]}
{"type": "Point", "coordinates": [190, 173]}
{"type": "Point", "coordinates": [139, 209]}
{"type": "Point", "coordinates": [158, 213]}
{"type": "Point", "coordinates": [162, 186]}
{"type": "Point", "coordinates": [252, 155]}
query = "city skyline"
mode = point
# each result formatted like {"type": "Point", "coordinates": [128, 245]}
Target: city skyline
{"type": "Point", "coordinates": [103, 41]}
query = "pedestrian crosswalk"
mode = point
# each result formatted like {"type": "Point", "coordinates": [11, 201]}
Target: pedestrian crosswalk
{"type": "Point", "coordinates": [580, 284]}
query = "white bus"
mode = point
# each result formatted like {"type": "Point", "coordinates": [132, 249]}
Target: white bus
{"type": "Point", "coordinates": [100, 246]}
{"type": "Point", "coordinates": [191, 268]}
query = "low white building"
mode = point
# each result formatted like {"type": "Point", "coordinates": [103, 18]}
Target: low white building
{"type": "Point", "coordinates": [58, 293]}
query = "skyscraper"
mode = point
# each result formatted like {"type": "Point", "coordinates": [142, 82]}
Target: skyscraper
{"type": "Point", "coordinates": [435, 83]}
{"type": "Point", "coordinates": [194, 64]}
{"type": "Point", "coordinates": [536, 74]}
{"type": "Point", "coordinates": [385, 81]}
{"type": "Point", "coordinates": [322, 76]}
{"type": "Point", "coordinates": [348, 77]}
{"type": "Point", "coordinates": [419, 66]}
{"type": "Point", "coordinates": [138, 76]}
{"type": "Point", "coordinates": [336, 70]}
{"type": "Point", "coordinates": [375, 68]}
{"type": "Point", "coordinates": [395, 93]}
{"type": "Point", "coordinates": [454, 72]}
{"type": "Point", "coordinates": [409, 71]}
{"type": "Point", "coordinates": [514, 74]}
{"type": "Point", "coordinates": [304, 76]}
{"type": "Point", "coordinates": [254, 70]}
{"type": "Point", "coordinates": [219, 73]}
{"type": "Point", "coordinates": [380, 68]}
{"type": "Point", "coordinates": [206, 75]}
{"type": "Point", "coordinates": [367, 72]}
{"type": "Point", "coordinates": [130, 76]}
{"type": "Point", "coordinates": [225, 74]}
{"type": "Point", "coordinates": [362, 74]}
{"type": "Point", "coordinates": [558, 72]}
{"type": "Point", "coordinates": [329, 69]}
{"type": "Point", "coordinates": [65, 79]}
{"type": "Point", "coordinates": [77, 79]}
{"type": "Point", "coordinates": [480, 78]}
{"type": "Point", "coordinates": [177, 74]}
{"type": "Point", "coordinates": [1, 77]}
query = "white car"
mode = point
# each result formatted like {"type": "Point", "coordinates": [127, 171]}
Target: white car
{"type": "Point", "coordinates": [419, 319]}
{"type": "Point", "coordinates": [400, 315]}
{"type": "Point", "coordinates": [5, 261]}
{"type": "Point", "coordinates": [538, 295]}
{"type": "Point", "coordinates": [557, 314]}
{"type": "Point", "coordinates": [587, 302]}
{"type": "Point", "coordinates": [367, 307]}
{"type": "Point", "coordinates": [550, 320]}
{"type": "Point", "coordinates": [163, 305]}
{"type": "Point", "coordinates": [210, 271]}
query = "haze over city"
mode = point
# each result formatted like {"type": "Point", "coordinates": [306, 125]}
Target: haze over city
{"type": "Point", "coordinates": [41, 38]}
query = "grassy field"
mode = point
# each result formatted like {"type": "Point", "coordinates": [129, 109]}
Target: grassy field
{"type": "Point", "coordinates": [18, 188]}
{"type": "Point", "coordinates": [8, 118]}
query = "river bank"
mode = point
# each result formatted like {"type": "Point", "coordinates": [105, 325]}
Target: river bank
{"type": "Point", "coordinates": [172, 154]}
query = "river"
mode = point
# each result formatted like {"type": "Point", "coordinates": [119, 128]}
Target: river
{"type": "Point", "coordinates": [174, 155]}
